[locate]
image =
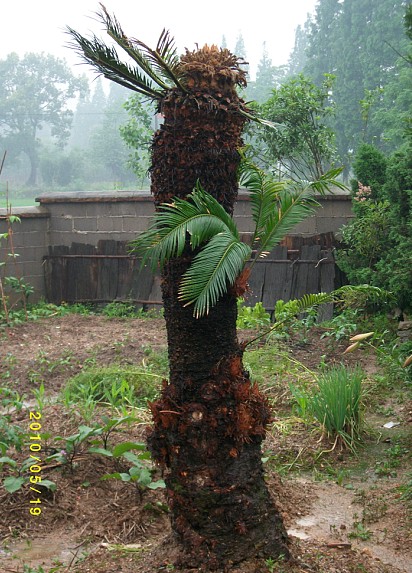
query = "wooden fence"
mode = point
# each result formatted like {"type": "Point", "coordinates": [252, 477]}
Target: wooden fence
{"type": "Point", "coordinates": [85, 273]}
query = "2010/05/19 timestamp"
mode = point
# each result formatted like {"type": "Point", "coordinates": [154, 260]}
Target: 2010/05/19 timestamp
{"type": "Point", "coordinates": [35, 468]}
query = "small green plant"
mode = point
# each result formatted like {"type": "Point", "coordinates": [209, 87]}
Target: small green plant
{"type": "Point", "coordinates": [342, 325]}
{"type": "Point", "coordinates": [336, 403]}
{"type": "Point", "coordinates": [11, 435]}
{"type": "Point", "coordinates": [75, 445]}
{"type": "Point", "coordinates": [140, 473]}
{"type": "Point", "coordinates": [11, 400]}
{"type": "Point", "coordinates": [360, 532]}
{"type": "Point", "coordinates": [275, 565]}
{"type": "Point", "coordinates": [251, 316]}
{"type": "Point", "coordinates": [18, 477]}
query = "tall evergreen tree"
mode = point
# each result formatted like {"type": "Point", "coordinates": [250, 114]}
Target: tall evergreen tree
{"type": "Point", "coordinates": [240, 51]}
{"type": "Point", "coordinates": [358, 41]}
{"type": "Point", "coordinates": [268, 78]}
{"type": "Point", "coordinates": [298, 57]}
{"type": "Point", "coordinates": [88, 115]}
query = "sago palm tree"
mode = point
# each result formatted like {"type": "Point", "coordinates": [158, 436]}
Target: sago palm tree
{"type": "Point", "coordinates": [210, 419]}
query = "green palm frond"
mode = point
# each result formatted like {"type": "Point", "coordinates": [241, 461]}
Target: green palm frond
{"type": "Point", "coordinates": [164, 58]}
{"type": "Point", "coordinates": [154, 72]}
{"type": "Point", "coordinates": [212, 271]}
{"type": "Point", "coordinates": [107, 62]}
{"type": "Point", "coordinates": [183, 222]}
{"type": "Point", "coordinates": [264, 192]}
{"type": "Point", "coordinates": [328, 180]}
{"type": "Point", "coordinates": [199, 221]}
{"type": "Point", "coordinates": [291, 208]}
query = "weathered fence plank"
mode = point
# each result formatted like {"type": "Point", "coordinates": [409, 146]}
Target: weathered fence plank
{"type": "Point", "coordinates": [107, 272]}
{"type": "Point", "coordinates": [107, 279]}
{"type": "Point", "coordinates": [275, 276]}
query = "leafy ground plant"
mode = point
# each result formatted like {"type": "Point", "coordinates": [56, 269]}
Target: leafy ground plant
{"type": "Point", "coordinates": [336, 403]}
{"type": "Point", "coordinates": [251, 316]}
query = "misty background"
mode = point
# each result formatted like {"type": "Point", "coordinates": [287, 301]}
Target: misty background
{"type": "Point", "coordinates": [64, 129]}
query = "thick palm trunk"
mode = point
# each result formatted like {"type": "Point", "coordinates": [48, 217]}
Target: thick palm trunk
{"type": "Point", "coordinates": [210, 419]}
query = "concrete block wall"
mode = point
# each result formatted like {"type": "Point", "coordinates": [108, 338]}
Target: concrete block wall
{"type": "Point", "coordinates": [29, 241]}
{"type": "Point", "coordinates": [334, 212]}
{"type": "Point", "coordinates": [66, 218]}
{"type": "Point", "coordinates": [90, 217]}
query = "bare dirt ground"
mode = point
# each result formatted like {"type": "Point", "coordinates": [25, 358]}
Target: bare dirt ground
{"type": "Point", "coordinates": [341, 516]}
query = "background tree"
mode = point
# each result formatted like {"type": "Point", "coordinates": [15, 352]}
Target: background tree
{"type": "Point", "coordinates": [377, 245]}
{"type": "Point", "coordinates": [34, 93]}
{"type": "Point", "coordinates": [360, 42]}
{"type": "Point", "coordinates": [302, 146]}
{"type": "Point", "coordinates": [268, 78]}
{"type": "Point", "coordinates": [240, 51]}
{"type": "Point", "coordinates": [137, 133]}
{"type": "Point", "coordinates": [297, 58]}
{"type": "Point", "coordinates": [210, 419]}
{"type": "Point", "coordinates": [88, 115]}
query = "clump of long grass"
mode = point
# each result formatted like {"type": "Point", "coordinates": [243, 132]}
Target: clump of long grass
{"type": "Point", "coordinates": [335, 401]}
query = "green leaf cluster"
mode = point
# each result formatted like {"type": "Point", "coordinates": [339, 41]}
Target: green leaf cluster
{"type": "Point", "coordinates": [199, 224]}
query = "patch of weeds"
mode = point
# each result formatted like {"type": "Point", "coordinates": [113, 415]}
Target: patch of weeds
{"type": "Point", "coordinates": [374, 507]}
{"type": "Point", "coordinates": [388, 466]}
{"type": "Point", "coordinates": [406, 489]}
{"type": "Point", "coordinates": [118, 309]}
{"type": "Point", "coordinates": [336, 403]}
{"type": "Point", "coordinates": [269, 365]}
{"type": "Point", "coordinates": [275, 565]}
{"type": "Point", "coordinates": [128, 309]}
{"type": "Point", "coordinates": [341, 476]}
{"type": "Point", "coordinates": [360, 532]}
{"type": "Point", "coordinates": [83, 309]}
{"type": "Point", "coordinates": [39, 569]}
{"type": "Point", "coordinates": [117, 386]}
{"type": "Point", "coordinates": [9, 362]}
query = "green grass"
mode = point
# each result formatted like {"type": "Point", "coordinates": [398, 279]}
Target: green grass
{"type": "Point", "coordinates": [19, 201]}
{"type": "Point", "coordinates": [117, 385]}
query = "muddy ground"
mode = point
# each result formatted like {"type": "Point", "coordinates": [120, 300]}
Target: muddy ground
{"type": "Point", "coordinates": [341, 514]}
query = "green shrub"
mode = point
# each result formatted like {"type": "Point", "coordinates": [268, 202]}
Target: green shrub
{"type": "Point", "coordinates": [376, 246]}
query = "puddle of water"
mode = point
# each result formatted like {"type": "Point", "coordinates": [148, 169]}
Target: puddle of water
{"type": "Point", "coordinates": [333, 514]}
{"type": "Point", "coordinates": [42, 551]}
{"type": "Point", "coordinates": [298, 533]}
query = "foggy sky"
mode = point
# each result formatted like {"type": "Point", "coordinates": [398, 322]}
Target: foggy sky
{"type": "Point", "coordinates": [38, 26]}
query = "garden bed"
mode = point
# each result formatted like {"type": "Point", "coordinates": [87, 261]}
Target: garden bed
{"type": "Point", "coordinates": [345, 512]}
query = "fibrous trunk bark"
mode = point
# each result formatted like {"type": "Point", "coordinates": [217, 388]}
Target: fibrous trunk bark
{"type": "Point", "coordinates": [210, 419]}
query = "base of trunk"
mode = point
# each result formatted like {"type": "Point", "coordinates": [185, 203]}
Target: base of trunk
{"type": "Point", "coordinates": [211, 448]}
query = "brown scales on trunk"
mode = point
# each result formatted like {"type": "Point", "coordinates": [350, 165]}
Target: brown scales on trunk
{"type": "Point", "coordinates": [210, 419]}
